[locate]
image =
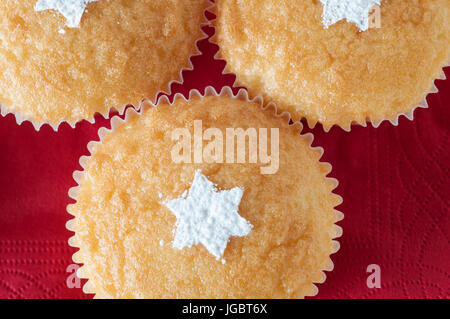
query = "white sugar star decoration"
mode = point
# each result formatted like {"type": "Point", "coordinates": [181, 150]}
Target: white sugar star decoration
{"type": "Point", "coordinates": [208, 216]}
{"type": "Point", "coordinates": [72, 10]}
{"type": "Point", "coordinates": [356, 11]}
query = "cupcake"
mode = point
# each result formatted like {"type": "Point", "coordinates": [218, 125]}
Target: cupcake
{"type": "Point", "coordinates": [67, 60]}
{"type": "Point", "coordinates": [168, 206]}
{"type": "Point", "coordinates": [321, 61]}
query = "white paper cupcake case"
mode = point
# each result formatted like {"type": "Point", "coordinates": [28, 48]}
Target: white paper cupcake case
{"type": "Point", "coordinates": [209, 91]}
{"type": "Point", "coordinates": [395, 121]}
{"type": "Point", "coordinates": [4, 111]}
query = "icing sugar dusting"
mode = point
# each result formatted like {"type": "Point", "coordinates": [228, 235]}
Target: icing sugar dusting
{"type": "Point", "coordinates": [208, 216]}
{"type": "Point", "coordinates": [356, 11]}
{"type": "Point", "coordinates": [72, 10]}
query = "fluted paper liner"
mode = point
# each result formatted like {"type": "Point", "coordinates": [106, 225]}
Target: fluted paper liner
{"type": "Point", "coordinates": [209, 91]}
{"type": "Point", "coordinates": [4, 111]}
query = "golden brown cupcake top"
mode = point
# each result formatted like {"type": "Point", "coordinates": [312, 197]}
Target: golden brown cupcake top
{"type": "Point", "coordinates": [122, 52]}
{"type": "Point", "coordinates": [125, 229]}
{"type": "Point", "coordinates": [339, 75]}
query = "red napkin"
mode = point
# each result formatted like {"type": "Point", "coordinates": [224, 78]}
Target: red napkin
{"type": "Point", "coordinates": [395, 183]}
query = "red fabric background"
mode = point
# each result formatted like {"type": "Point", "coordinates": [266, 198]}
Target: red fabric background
{"type": "Point", "coordinates": [395, 183]}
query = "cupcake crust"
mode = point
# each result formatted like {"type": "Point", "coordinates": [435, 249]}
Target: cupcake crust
{"type": "Point", "coordinates": [120, 221]}
{"type": "Point", "coordinates": [336, 76]}
{"type": "Point", "coordinates": [123, 52]}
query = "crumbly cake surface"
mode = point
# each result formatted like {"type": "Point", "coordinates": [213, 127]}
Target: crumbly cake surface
{"type": "Point", "coordinates": [125, 232]}
{"type": "Point", "coordinates": [123, 51]}
{"type": "Point", "coordinates": [339, 75]}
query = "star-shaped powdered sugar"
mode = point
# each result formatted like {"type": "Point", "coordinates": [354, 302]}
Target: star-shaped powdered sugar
{"type": "Point", "coordinates": [356, 11]}
{"type": "Point", "coordinates": [208, 216]}
{"type": "Point", "coordinates": [72, 10]}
